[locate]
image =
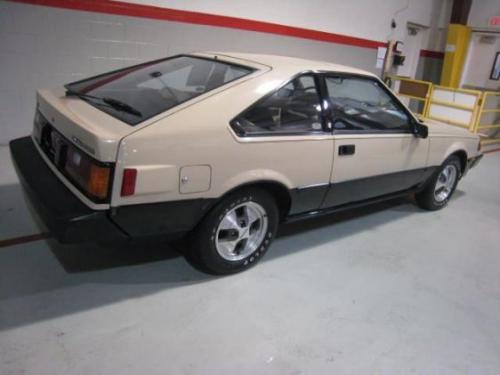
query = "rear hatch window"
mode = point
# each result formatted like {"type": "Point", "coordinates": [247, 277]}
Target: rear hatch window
{"type": "Point", "coordinates": [140, 92]}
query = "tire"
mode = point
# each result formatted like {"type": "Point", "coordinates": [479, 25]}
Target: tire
{"type": "Point", "coordinates": [441, 186]}
{"type": "Point", "coordinates": [236, 233]}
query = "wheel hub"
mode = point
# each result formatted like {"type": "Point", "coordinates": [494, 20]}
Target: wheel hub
{"type": "Point", "coordinates": [241, 231]}
{"type": "Point", "coordinates": [445, 183]}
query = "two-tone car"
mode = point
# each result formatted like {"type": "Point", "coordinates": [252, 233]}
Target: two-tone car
{"type": "Point", "coordinates": [222, 147]}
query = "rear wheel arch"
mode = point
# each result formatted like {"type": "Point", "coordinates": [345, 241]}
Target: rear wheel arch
{"type": "Point", "coordinates": [277, 190]}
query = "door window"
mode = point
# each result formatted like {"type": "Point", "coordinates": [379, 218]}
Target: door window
{"type": "Point", "coordinates": [293, 109]}
{"type": "Point", "coordinates": [362, 104]}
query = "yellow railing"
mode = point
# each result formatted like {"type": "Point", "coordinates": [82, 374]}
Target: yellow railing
{"type": "Point", "coordinates": [413, 89]}
{"type": "Point", "coordinates": [485, 108]}
{"type": "Point", "coordinates": [454, 106]}
{"type": "Point", "coordinates": [459, 107]}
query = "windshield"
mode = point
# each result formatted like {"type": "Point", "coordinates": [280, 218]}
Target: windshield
{"type": "Point", "coordinates": [146, 90]}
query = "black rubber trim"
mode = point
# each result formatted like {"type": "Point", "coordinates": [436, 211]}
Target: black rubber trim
{"type": "Point", "coordinates": [67, 218]}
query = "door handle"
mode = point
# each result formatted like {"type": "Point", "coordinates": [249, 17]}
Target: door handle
{"type": "Point", "coordinates": [347, 150]}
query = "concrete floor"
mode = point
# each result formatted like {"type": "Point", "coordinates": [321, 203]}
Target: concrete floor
{"type": "Point", "coordinates": [385, 289]}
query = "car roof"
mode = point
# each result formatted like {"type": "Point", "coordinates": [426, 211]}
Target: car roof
{"type": "Point", "coordinates": [294, 63]}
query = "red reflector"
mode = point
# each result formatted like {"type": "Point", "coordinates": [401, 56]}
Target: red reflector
{"type": "Point", "coordinates": [128, 182]}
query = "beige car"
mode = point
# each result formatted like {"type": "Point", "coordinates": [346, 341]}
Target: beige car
{"type": "Point", "coordinates": [224, 147]}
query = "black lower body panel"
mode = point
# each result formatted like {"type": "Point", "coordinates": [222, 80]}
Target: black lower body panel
{"type": "Point", "coordinates": [172, 219]}
{"type": "Point", "coordinates": [66, 217]}
{"type": "Point", "coordinates": [376, 186]}
{"type": "Point", "coordinates": [356, 193]}
{"type": "Point", "coordinates": [347, 206]}
{"type": "Point", "coordinates": [307, 198]}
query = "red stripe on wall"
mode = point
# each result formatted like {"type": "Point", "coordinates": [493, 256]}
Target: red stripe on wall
{"type": "Point", "coordinates": [167, 14]}
{"type": "Point", "coordinates": [432, 54]}
{"type": "Point", "coordinates": [23, 239]}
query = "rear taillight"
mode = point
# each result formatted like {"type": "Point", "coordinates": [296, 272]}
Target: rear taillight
{"type": "Point", "coordinates": [93, 177]}
{"type": "Point", "coordinates": [128, 181]}
{"type": "Point", "coordinates": [98, 184]}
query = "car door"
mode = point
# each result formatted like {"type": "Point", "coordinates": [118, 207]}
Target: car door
{"type": "Point", "coordinates": [375, 152]}
{"type": "Point", "coordinates": [289, 137]}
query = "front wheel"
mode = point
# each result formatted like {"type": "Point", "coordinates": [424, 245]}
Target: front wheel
{"type": "Point", "coordinates": [439, 190]}
{"type": "Point", "coordinates": [236, 233]}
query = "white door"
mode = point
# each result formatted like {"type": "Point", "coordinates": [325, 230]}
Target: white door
{"type": "Point", "coordinates": [481, 56]}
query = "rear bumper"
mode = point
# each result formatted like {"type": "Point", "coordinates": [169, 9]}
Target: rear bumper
{"type": "Point", "coordinates": [71, 221]}
{"type": "Point", "coordinates": [66, 217]}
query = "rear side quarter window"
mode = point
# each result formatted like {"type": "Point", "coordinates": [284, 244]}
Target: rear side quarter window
{"type": "Point", "coordinates": [293, 109]}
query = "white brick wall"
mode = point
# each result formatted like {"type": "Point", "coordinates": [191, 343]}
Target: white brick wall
{"type": "Point", "coordinates": [46, 47]}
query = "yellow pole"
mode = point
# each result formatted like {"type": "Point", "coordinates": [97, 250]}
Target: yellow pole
{"type": "Point", "coordinates": [428, 99]}
{"type": "Point", "coordinates": [479, 113]}
{"type": "Point", "coordinates": [457, 42]}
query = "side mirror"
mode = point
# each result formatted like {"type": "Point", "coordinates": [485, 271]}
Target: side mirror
{"type": "Point", "coordinates": [420, 130]}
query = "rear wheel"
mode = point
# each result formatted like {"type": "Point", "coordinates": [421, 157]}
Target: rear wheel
{"type": "Point", "coordinates": [441, 187]}
{"type": "Point", "coordinates": [236, 233]}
